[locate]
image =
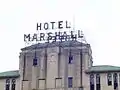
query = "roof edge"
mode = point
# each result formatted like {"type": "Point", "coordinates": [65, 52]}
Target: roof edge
{"type": "Point", "coordinates": [63, 43]}
{"type": "Point", "coordinates": [88, 72]}
{"type": "Point", "coordinates": [6, 75]}
{"type": "Point", "coordinates": [3, 77]}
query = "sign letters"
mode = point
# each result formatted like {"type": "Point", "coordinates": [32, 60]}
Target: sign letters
{"type": "Point", "coordinates": [49, 37]}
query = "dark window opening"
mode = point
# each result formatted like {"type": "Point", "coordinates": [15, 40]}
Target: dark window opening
{"type": "Point", "coordinates": [70, 82]}
{"type": "Point", "coordinates": [115, 86]}
{"type": "Point", "coordinates": [92, 82]}
{"type": "Point", "coordinates": [109, 83]}
{"type": "Point", "coordinates": [115, 77]}
{"type": "Point", "coordinates": [70, 59]}
{"type": "Point", "coordinates": [13, 87]}
{"type": "Point", "coordinates": [7, 87]}
{"type": "Point", "coordinates": [119, 78]}
{"type": "Point", "coordinates": [97, 82]}
{"type": "Point", "coordinates": [35, 61]}
{"type": "Point", "coordinates": [13, 84]}
{"type": "Point", "coordinates": [109, 79]}
{"type": "Point", "coordinates": [98, 87]}
{"type": "Point", "coordinates": [7, 84]}
{"type": "Point", "coordinates": [91, 87]}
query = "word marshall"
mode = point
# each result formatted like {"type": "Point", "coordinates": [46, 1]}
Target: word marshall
{"type": "Point", "coordinates": [52, 37]}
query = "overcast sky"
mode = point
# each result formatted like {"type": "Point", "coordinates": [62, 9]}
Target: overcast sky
{"type": "Point", "coordinates": [99, 20]}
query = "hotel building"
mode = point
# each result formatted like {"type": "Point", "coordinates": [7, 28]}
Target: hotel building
{"type": "Point", "coordinates": [64, 65]}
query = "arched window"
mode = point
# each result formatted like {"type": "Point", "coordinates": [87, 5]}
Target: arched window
{"type": "Point", "coordinates": [97, 81]}
{"type": "Point", "coordinates": [115, 78]}
{"type": "Point", "coordinates": [109, 79]}
{"type": "Point", "coordinates": [119, 78]}
{"type": "Point", "coordinates": [7, 84]}
{"type": "Point", "coordinates": [13, 84]}
{"type": "Point", "coordinates": [91, 81]}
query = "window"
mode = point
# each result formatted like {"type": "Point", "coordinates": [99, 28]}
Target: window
{"type": "Point", "coordinates": [13, 84]}
{"type": "Point", "coordinates": [109, 79]}
{"type": "Point", "coordinates": [97, 82]}
{"type": "Point", "coordinates": [119, 78]}
{"type": "Point", "coordinates": [92, 82]}
{"type": "Point", "coordinates": [7, 84]}
{"type": "Point", "coordinates": [115, 79]}
{"type": "Point", "coordinates": [35, 61]}
{"type": "Point", "coordinates": [70, 82]}
{"type": "Point", "coordinates": [70, 59]}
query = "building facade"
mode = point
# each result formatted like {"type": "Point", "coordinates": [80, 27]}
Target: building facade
{"type": "Point", "coordinates": [64, 65]}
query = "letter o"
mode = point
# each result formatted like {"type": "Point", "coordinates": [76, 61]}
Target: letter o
{"type": "Point", "coordinates": [46, 26]}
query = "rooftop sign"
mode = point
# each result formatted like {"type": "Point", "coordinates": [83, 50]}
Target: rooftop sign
{"type": "Point", "coordinates": [58, 33]}
{"type": "Point", "coordinates": [53, 25]}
